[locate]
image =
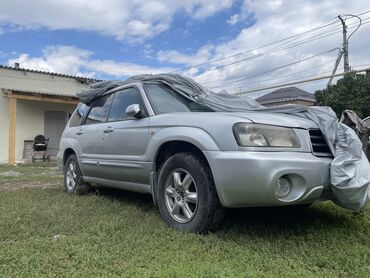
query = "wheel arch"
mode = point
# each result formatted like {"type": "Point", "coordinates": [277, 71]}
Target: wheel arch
{"type": "Point", "coordinates": [169, 148]}
{"type": "Point", "coordinates": [67, 152]}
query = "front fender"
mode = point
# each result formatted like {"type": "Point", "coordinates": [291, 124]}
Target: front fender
{"type": "Point", "coordinates": [196, 136]}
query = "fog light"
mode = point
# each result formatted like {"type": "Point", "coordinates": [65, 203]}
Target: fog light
{"type": "Point", "coordinates": [283, 187]}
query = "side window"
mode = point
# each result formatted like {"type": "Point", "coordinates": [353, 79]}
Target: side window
{"type": "Point", "coordinates": [122, 100]}
{"type": "Point", "coordinates": [99, 110]}
{"type": "Point", "coordinates": [78, 115]}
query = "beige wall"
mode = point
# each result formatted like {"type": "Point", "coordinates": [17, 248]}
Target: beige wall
{"type": "Point", "coordinates": [30, 122]}
{"type": "Point", "coordinates": [36, 82]}
{"type": "Point", "coordinates": [30, 114]}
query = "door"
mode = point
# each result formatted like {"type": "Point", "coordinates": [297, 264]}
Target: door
{"type": "Point", "coordinates": [54, 124]}
{"type": "Point", "coordinates": [125, 141]}
{"type": "Point", "coordinates": [90, 136]}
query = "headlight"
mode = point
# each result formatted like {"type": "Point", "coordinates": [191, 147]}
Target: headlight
{"type": "Point", "coordinates": [257, 135]}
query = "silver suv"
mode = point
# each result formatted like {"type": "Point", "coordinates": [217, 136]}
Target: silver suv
{"type": "Point", "coordinates": [193, 161]}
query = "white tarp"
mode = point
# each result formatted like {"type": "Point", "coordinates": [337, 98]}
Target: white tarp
{"type": "Point", "coordinates": [350, 169]}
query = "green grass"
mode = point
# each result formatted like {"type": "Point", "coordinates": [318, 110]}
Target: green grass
{"type": "Point", "coordinates": [38, 171]}
{"type": "Point", "coordinates": [45, 232]}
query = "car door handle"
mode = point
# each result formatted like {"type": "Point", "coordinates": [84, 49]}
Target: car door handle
{"type": "Point", "coordinates": [80, 132]}
{"type": "Point", "coordinates": [108, 130]}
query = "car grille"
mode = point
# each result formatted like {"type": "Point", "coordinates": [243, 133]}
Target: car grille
{"type": "Point", "coordinates": [319, 145]}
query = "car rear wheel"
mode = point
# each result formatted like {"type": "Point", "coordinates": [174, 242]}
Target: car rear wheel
{"type": "Point", "coordinates": [187, 197]}
{"type": "Point", "coordinates": [73, 179]}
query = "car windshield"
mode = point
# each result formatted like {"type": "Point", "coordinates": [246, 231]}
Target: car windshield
{"type": "Point", "coordinates": [165, 100]}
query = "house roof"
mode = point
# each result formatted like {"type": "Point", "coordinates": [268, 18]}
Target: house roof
{"type": "Point", "coordinates": [78, 78]}
{"type": "Point", "coordinates": [46, 93]}
{"type": "Point", "coordinates": [286, 94]}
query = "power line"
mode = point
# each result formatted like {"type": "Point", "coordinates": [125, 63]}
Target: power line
{"type": "Point", "coordinates": [257, 48]}
{"type": "Point", "coordinates": [316, 37]}
{"type": "Point", "coordinates": [302, 81]}
{"type": "Point", "coordinates": [307, 76]}
{"type": "Point", "coordinates": [263, 46]}
{"type": "Point", "coordinates": [310, 39]}
{"type": "Point", "coordinates": [326, 64]}
{"type": "Point", "coordinates": [277, 68]}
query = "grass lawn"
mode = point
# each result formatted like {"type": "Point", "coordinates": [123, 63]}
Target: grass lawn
{"type": "Point", "coordinates": [45, 232]}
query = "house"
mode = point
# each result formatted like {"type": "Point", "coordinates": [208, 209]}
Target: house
{"type": "Point", "coordinates": [34, 102]}
{"type": "Point", "coordinates": [287, 95]}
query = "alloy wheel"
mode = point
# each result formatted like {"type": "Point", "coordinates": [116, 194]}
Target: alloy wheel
{"type": "Point", "coordinates": [181, 195]}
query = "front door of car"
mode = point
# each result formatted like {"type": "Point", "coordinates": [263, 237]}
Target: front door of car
{"type": "Point", "coordinates": [125, 140]}
{"type": "Point", "coordinates": [90, 135]}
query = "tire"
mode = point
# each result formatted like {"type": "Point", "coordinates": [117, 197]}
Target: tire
{"type": "Point", "coordinates": [186, 195]}
{"type": "Point", "coordinates": [73, 179]}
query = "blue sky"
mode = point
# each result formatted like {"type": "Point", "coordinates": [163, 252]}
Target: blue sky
{"type": "Point", "coordinates": [114, 39]}
{"type": "Point", "coordinates": [186, 35]}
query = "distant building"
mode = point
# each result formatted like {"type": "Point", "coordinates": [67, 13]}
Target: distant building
{"type": "Point", "coordinates": [287, 95]}
{"type": "Point", "coordinates": [31, 103]}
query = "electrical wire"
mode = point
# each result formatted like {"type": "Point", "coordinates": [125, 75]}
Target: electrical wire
{"type": "Point", "coordinates": [277, 68]}
{"type": "Point", "coordinates": [318, 78]}
{"type": "Point", "coordinates": [263, 46]}
{"type": "Point", "coordinates": [316, 37]}
{"type": "Point", "coordinates": [279, 50]}
{"type": "Point", "coordinates": [321, 66]}
{"type": "Point", "coordinates": [257, 48]}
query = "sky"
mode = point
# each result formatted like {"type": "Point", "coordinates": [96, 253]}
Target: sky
{"type": "Point", "coordinates": [227, 45]}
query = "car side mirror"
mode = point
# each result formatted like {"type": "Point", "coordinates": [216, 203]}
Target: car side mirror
{"type": "Point", "coordinates": [134, 111]}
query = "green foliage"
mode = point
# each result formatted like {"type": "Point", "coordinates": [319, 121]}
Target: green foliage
{"type": "Point", "coordinates": [46, 233]}
{"type": "Point", "coordinates": [351, 92]}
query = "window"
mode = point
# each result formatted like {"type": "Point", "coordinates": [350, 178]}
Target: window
{"type": "Point", "coordinates": [165, 100]}
{"type": "Point", "coordinates": [78, 115]}
{"type": "Point", "coordinates": [121, 101]}
{"type": "Point", "coordinates": [99, 110]}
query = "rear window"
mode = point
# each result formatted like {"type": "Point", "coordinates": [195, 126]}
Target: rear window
{"type": "Point", "coordinates": [78, 115]}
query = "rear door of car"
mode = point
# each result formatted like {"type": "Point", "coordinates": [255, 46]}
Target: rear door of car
{"type": "Point", "coordinates": [90, 136]}
{"type": "Point", "coordinates": [125, 140]}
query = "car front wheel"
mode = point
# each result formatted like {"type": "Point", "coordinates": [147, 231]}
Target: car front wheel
{"type": "Point", "coordinates": [187, 197]}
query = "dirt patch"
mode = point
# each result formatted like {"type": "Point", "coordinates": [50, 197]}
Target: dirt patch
{"type": "Point", "coordinates": [10, 173]}
{"type": "Point", "coordinates": [13, 186]}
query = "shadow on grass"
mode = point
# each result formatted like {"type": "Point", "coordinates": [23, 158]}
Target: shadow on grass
{"type": "Point", "coordinates": [265, 221]}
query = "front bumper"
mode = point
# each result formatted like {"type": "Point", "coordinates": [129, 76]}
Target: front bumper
{"type": "Point", "coordinates": [246, 179]}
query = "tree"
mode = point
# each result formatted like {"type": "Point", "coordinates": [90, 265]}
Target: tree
{"type": "Point", "coordinates": [351, 92]}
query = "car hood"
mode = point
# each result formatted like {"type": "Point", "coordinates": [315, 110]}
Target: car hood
{"type": "Point", "coordinates": [279, 119]}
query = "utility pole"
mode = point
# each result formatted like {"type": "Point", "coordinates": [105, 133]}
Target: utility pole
{"type": "Point", "coordinates": [345, 44]}
{"type": "Point", "coordinates": [342, 52]}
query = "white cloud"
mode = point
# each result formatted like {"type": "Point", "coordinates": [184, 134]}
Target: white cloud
{"type": "Point", "coordinates": [276, 20]}
{"type": "Point", "coordinates": [130, 20]}
{"type": "Point", "coordinates": [76, 61]}
{"type": "Point", "coordinates": [234, 19]}
{"type": "Point", "coordinates": [137, 20]}
{"type": "Point", "coordinates": [176, 57]}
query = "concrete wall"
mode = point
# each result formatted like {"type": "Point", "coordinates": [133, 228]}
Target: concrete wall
{"type": "Point", "coordinates": [30, 114]}
{"type": "Point", "coordinates": [36, 82]}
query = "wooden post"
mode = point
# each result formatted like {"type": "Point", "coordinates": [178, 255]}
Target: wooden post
{"type": "Point", "coordinates": [12, 129]}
